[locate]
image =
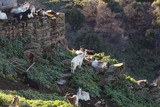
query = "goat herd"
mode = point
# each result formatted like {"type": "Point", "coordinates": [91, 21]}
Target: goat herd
{"type": "Point", "coordinates": [88, 55]}
{"type": "Point", "coordinates": [25, 11]}
{"type": "Point", "coordinates": [76, 61]}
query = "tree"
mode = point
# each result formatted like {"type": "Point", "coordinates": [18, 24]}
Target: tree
{"type": "Point", "coordinates": [75, 18]}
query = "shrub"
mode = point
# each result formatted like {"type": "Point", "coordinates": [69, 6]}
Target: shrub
{"type": "Point", "coordinates": [149, 39]}
{"type": "Point", "coordinates": [75, 18]}
{"type": "Point", "coordinates": [6, 68]}
{"type": "Point", "coordinates": [87, 80]}
{"type": "Point", "coordinates": [46, 75]}
{"type": "Point", "coordinates": [89, 40]}
{"type": "Point", "coordinates": [12, 47]}
{"type": "Point", "coordinates": [114, 6]}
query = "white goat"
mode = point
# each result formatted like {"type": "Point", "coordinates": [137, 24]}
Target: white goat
{"type": "Point", "coordinates": [98, 64]}
{"type": "Point", "coordinates": [26, 5]}
{"type": "Point", "coordinates": [78, 52]}
{"type": "Point", "coordinates": [3, 16]}
{"type": "Point", "coordinates": [77, 61]}
{"type": "Point", "coordinates": [20, 9]}
{"type": "Point", "coordinates": [33, 9]}
{"type": "Point", "coordinates": [83, 95]}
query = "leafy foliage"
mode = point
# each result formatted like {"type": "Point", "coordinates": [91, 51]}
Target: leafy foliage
{"type": "Point", "coordinates": [102, 57]}
{"type": "Point", "coordinates": [118, 94]}
{"type": "Point", "coordinates": [35, 95]}
{"type": "Point", "coordinates": [150, 39]}
{"type": "Point", "coordinates": [12, 47]}
{"type": "Point", "coordinates": [6, 69]}
{"type": "Point", "coordinates": [89, 40]}
{"type": "Point", "coordinates": [6, 99]}
{"type": "Point", "coordinates": [114, 6]}
{"type": "Point", "coordinates": [74, 15]}
{"type": "Point", "coordinates": [87, 80]}
{"type": "Point", "coordinates": [130, 79]}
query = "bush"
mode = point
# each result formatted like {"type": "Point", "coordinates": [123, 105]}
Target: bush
{"type": "Point", "coordinates": [12, 47]}
{"type": "Point", "coordinates": [75, 18]}
{"type": "Point", "coordinates": [6, 68]}
{"type": "Point", "coordinates": [150, 39]}
{"type": "Point", "coordinates": [102, 57]}
{"type": "Point", "coordinates": [45, 75]}
{"type": "Point", "coordinates": [114, 6]}
{"type": "Point", "coordinates": [89, 40]}
{"type": "Point", "coordinates": [87, 80]}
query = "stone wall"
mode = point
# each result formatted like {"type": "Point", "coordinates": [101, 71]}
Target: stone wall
{"type": "Point", "coordinates": [7, 4]}
{"type": "Point", "coordinates": [42, 29]}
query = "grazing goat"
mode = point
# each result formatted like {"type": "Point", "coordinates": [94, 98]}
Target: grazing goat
{"type": "Point", "coordinates": [83, 95]}
{"type": "Point", "coordinates": [72, 99]}
{"type": "Point", "coordinates": [3, 16]}
{"type": "Point", "coordinates": [77, 61]}
{"type": "Point", "coordinates": [24, 16]}
{"type": "Point", "coordinates": [80, 51]}
{"type": "Point", "coordinates": [15, 102]}
{"type": "Point", "coordinates": [100, 65]}
{"type": "Point", "coordinates": [26, 5]}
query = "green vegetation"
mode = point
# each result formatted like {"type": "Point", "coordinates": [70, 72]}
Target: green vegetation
{"type": "Point", "coordinates": [149, 39]}
{"type": "Point", "coordinates": [130, 79]}
{"type": "Point", "coordinates": [86, 79]}
{"type": "Point", "coordinates": [134, 31]}
{"type": "Point", "coordinates": [103, 57]}
{"type": "Point", "coordinates": [114, 6]}
{"type": "Point", "coordinates": [12, 47]}
{"type": "Point", "coordinates": [34, 95]}
{"type": "Point", "coordinates": [123, 99]}
{"type": "Point", "coordinates": [74, 15]}
{"type": "Point", "coordinates": [6, 99]}
{"type": "Point", "coordinates": [89, 40]}
{"type": "Point", "coordinates": [6, 68]}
